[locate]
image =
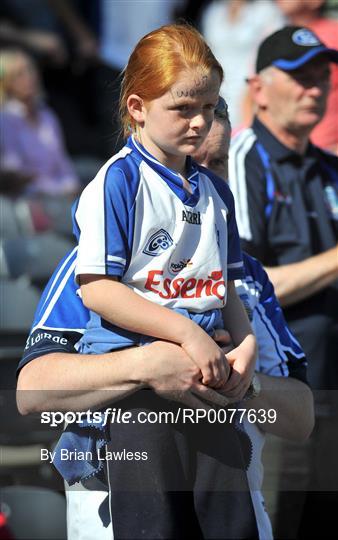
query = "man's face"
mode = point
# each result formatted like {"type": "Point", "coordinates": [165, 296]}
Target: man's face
{"type": "Point", "coordinates": [296, 100]}
{"type": "Point", "coordinates": [213, 153]}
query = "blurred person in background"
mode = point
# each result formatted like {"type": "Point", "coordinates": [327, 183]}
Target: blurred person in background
{"type": "Point", "coordinates": [64, 44]}
{"type": "Point", "coordinates": [81, 48]}
{"type": "Point", "coordinates": [233, 30]}
{"type": "Point", "coordinates": [311, 13]}
{"type": "Point", "coordinates": [32, 142]}
{"type": "Point", "coordinates": [286, 196]}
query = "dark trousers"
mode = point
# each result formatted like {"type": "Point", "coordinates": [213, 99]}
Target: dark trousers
{"type": "Point", "coordinates": [192, 485]}
{"type": "Point", "coordinates": [305, 509]}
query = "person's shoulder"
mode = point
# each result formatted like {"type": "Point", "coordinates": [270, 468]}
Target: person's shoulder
{"type": "Point", "coordinates": [120, 174]}
{"type": "Point", "coordinates": [254, 271]}
{"type": "Point", "coordinates": [245, 162]}
{"type": "Point", "coordinates": [214, 178]}
{"type": "Point", "coordinates": [243, 137]}
{"type": "Point", "coordinates": [124, 162]}
{"type": "Point", "coordinates": [219, 184]}
{"type": "Point", "coordinates": [9, 117]}
{"type": "Point", "coordinates": [252, 266]}
{"type": "Point", "coordinates": [328, 163]}
{"type": "Point", "coordinates": [326, 156]}
{"type": "Point", "coordinates": [243, 148]}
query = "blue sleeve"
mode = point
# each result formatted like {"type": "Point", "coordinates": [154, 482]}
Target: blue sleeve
{"type": "Point", "coordinates": [60, 318]}
{"type": "Point", "coordinates": [235, 262]}
{"type": "Point", "coordinates": [280, 354]}
{"type": "Point", "coordinates": [104, 220]}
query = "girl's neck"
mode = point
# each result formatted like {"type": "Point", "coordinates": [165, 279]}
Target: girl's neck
{"type": "Point", "coordinates": [171, 161]}
{"type": "Point", "coordinates": [175, 163]}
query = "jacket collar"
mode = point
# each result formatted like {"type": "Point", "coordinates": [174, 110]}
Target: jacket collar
{"type": "Point", "coordinates": [277, 150]}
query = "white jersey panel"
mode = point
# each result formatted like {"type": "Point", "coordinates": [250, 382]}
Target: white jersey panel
{"type": "Point", "coordinates": [181, 262]}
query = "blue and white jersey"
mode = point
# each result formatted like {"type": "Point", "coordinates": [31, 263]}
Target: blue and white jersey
{"type": "Point", "coordinates": [136, 221]}
{"type": "Point", "coordinates": [280, 354]}
{"type": "Point", "coordinates": [61, 318]}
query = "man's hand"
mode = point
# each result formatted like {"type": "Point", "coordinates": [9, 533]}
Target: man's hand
{"type": "Point", "coordinates": [172, 374]}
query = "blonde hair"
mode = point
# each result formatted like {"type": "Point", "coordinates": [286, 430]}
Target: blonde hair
{"type": "Point", "coordinates": [157, 60]}
{"type": "Point", "coordinates": [8, 59]}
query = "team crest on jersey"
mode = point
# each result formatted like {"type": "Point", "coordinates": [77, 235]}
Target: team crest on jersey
{"type": "Point", "coordinates": [157, 243]}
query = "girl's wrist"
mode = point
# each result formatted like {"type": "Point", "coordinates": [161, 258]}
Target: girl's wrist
{"type": "Point", "coordinates": [189, 332]}
{"type": "Point", "coordinates": [248, 343]}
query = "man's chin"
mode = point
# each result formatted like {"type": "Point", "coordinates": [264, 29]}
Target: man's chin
{"type": "Point", "coordinates": [307, 123]}
{"type": "Point", "coordinates": [311, 117]}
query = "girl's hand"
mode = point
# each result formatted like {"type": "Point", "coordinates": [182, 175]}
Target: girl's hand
{"type": "Point", "coordinates": [209, 357]}
{"type": "Point", "coordinates": [242, 360]}
{"type": "Point", "coordinates": [171, 373]}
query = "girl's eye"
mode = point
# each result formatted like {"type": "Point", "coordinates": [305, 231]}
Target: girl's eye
{"type": "Point", "coordinates": [210, 107]}
{"type": "Point", "coordinates": [183, 108]}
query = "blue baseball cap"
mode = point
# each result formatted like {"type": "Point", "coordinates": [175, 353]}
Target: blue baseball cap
{"type": "Point", "coordinates": [290, 48]}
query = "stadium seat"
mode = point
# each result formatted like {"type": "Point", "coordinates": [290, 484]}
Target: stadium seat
{"type": "Point", "coordinates": [33, 256]}
{"type": "Point", "coordinates": [34, 513]}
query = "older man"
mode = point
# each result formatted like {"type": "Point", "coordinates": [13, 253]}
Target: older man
{"type": "Point", "coordinates": [286, 202]}
{"type": "Point", "coordinates": [312, 14]}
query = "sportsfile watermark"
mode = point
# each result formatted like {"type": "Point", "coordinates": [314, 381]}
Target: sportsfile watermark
{"type": "Point", "coordinates": [181, 415]}
{"type": "Point", "coordinates": [141, 429]}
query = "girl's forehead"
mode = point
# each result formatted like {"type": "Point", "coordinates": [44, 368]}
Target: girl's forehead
{"type": "Point", "coordinates": [195, 83]}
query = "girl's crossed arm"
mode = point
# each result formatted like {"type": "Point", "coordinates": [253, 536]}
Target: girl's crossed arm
{"type": "Point", "coordinates": [118, 304]}
{"type": "Point", "coordinates": [243, 357]}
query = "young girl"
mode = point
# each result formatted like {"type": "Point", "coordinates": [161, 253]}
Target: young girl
{"type": "Point", "coordinates": [158, 245]}
{"type": "Point", "coordinates": [158, 255]}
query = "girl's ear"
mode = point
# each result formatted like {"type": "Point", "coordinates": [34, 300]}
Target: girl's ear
{"type": "Point", "coordinates": [136, 108]}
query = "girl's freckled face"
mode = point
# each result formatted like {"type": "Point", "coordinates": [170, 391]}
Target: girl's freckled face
{"type": "Point", "coordinates": [177, 123]}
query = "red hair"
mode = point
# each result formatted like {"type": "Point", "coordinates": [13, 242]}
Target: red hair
{"type": "Point", "coordinates": [157, 60]}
